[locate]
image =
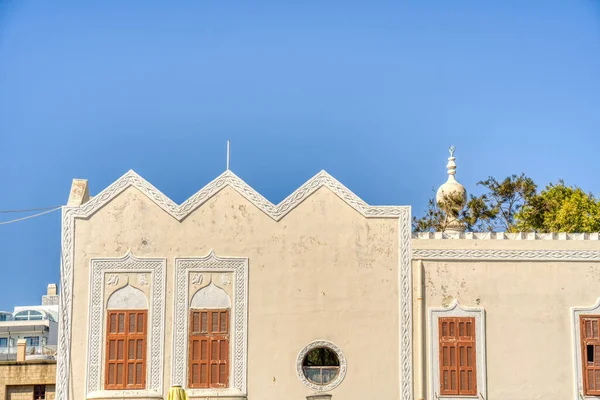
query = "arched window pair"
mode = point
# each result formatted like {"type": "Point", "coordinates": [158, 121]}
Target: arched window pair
{"type": "Point", "coordinates": [126, 339]}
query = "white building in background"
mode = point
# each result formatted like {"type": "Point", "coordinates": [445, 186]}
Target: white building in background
{"type": "Point", "coordinates": [38, 325]}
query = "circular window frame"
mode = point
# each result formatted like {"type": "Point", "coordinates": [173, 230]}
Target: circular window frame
{"type": "Point", "coordinates": [336, 381]}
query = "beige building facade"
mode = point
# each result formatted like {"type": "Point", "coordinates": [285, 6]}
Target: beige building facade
{"type": "Point", "coordinates": [26, 380]}
{"type": "Point", "coordinates": [233, 297]}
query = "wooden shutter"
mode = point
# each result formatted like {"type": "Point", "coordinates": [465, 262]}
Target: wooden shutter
{"type": "Point", "coordinates": [126, 349]}
{"type": "Point", "coordinates": [458, 373]}
{"type": "Point", "coordinates": [590, 357]}
{"type": "Point", "coordinates": [209, 349]}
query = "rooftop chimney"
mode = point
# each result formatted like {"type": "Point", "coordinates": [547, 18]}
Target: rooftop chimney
{"type": "Point", "coordinates": [79, 193]}
{"type": "Point", "coordinates": [51, 296]}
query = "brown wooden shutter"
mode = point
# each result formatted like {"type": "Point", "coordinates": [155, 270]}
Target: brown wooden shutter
{"type": "Point", "coordinates": [590, 357]}
{"type": "Point", "coordinates": [458, 374]}
{"type": "Point", "coordinates": [126, 350]}
{"type": "Point", "coordinates": [209, 349]}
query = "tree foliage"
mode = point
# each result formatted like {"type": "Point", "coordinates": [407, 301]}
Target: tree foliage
{"type": "Point", "coordinates": [513, 204]}
{"type": "Point", "coordinates": [560, 208]}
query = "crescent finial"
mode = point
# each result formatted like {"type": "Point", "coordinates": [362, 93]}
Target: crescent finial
{"type": "Point", "coordinates": [452, 149]}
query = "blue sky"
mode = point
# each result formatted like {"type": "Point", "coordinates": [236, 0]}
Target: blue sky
{"type": "Point", "coordinates": [373, 92]}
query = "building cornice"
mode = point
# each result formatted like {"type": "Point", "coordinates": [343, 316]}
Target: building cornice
{"type": "Point", "coordinates": [506, 236]}
{"type": "Point", "coordinates": [229, 179]}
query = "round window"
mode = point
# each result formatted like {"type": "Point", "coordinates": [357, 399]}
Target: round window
{"type": "Point", "coordinates": [321, 366]}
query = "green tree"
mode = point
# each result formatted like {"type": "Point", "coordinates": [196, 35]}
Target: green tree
{"type": "Point", "coordinates": [498, 206]}
{"type": "Point", "coordinates": [434, 219]}
{"type": "Point", "coordinates": [494, 210]}
{"type": "Point", "coordinates": [560, 208]}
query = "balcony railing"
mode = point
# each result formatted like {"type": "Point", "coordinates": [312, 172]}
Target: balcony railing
{"type": "Point", "coordinates": [10, 352]}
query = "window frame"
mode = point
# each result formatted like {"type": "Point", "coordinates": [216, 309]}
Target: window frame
{"type": "Point", "coordinates": [27, 341]}
{"type": "Point", "coordinates": [456, 310]}
{"type": "Point", "coordinates": [26, 315]}
{"type": "Point", "coordinates": [335, 382]}
{"type": "Point", "coordinates": [185, 270]}
{"type": "Point", "coordinates": [126, 336]}
{"type": "Point", "coordinates": [39, 392]}
{"type": "Point", "coordinates": [210, 336]}
{"type": "Point", "coordinates": [454, 340]}
{"type": "Point", "coordinates": [584, 343]}
{"type": "Point", "coordinates": [578, 351]}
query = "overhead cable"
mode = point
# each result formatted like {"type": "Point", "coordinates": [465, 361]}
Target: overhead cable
{"type": "Point", "coordinates": [27, 210]}
{"type": "Point", "coordinates": [29, 216]}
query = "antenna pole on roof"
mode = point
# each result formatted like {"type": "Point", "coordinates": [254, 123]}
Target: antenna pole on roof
{"type": "Point", "coordinates": [228, 155]}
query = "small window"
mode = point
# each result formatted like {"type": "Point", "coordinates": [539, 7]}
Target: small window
{"type": "Point", "coordinates": [321, 366]}
{"type": "Point", "coordinates": [458, 375]}
{"type": "Point", "coordinates": [590, 345]}
{"type": "Point", "coordinates": [32, 341]}
{"type": "Point", "coordinates": [3, 342]}
{"type": "Point", "coordinates": [39, 392]}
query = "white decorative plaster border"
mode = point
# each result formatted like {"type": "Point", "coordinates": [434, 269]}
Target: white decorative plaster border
{"type": "Point", "coordinates": [239, 336]}
{"type": "Point", "coordinates": [456, 310]}
{"type": "Point", "coordinates": [277, 212]}
{"type": "Point", "coordinates": [154, 369]}
{"type": "Point", "coordinates": [507, 235]}
{"type": "Point", "coordinates": [576, 312]}
{"type": "Point", "coordinates": [336, 381]}
{"type": "Point", "coordinates": [229, 179]}
{"type": "Point", "coordinates": [501, 255]}
{"type": "Point", "coordinates": [406, 306]}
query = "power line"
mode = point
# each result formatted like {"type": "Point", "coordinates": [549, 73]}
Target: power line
{"type": "Point", "coordinates": [27, 210]}
{"type": "Point", "coordinates": [29, 216]}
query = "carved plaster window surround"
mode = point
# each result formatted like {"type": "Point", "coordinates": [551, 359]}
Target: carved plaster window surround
{"type": "Point", "coordinates": [456, 310]}
{"type": "Point", "coordinates": [335, 382]}
{"type": "Point", "coordinates": [185, 269]}
{"type": "Point", "coordinates": [576, 313]}
{"type": "Point", "coordinates": [101, 270]}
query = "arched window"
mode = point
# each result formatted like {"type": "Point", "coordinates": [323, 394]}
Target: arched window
{"type": "Point", "coordinates": [126, 331]}
{"type": "Point", "coordinates": [209, 338]}
{"type": "Point", "coordinates": [29, 315]}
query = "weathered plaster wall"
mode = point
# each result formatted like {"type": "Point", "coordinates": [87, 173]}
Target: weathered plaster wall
{"type": "Point", "coordinates": [19, 377]}
{"type": "Point", "coordinates": [322, 272]}
{"type": "Point", "coordinates": [527, 304]}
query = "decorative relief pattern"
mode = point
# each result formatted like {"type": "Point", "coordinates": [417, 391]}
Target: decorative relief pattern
{"type": "Point", "coordinates": [156, 267]}
{"type": "Point", "coordinates": [405, 291]}
{"type": "Point", "coordinates": [335, 382]}
{"type": "Point", "coordinates": [186, 267]}
{"type": "Point", "coordinates": [228, 178]}
{"type": "Point", "coordinates": [197, 279]}
{"type": "Point", "coordinates": [225, 280]}
{"type": "Point", "coordinates": [499, 255]}
{"type": "Point", "coordinates": [112, 280]}
{"type": "Point", "coordinates": [142, 280]}
{"type": "Point", "coordinates": [507, 236]}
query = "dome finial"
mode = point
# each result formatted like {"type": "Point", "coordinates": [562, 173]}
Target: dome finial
{"type": "Point", "coordinates": [452, 197]}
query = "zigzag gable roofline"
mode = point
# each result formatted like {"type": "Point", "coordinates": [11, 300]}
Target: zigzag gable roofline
{"type": "Point", "coordinates": [229, 179]}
